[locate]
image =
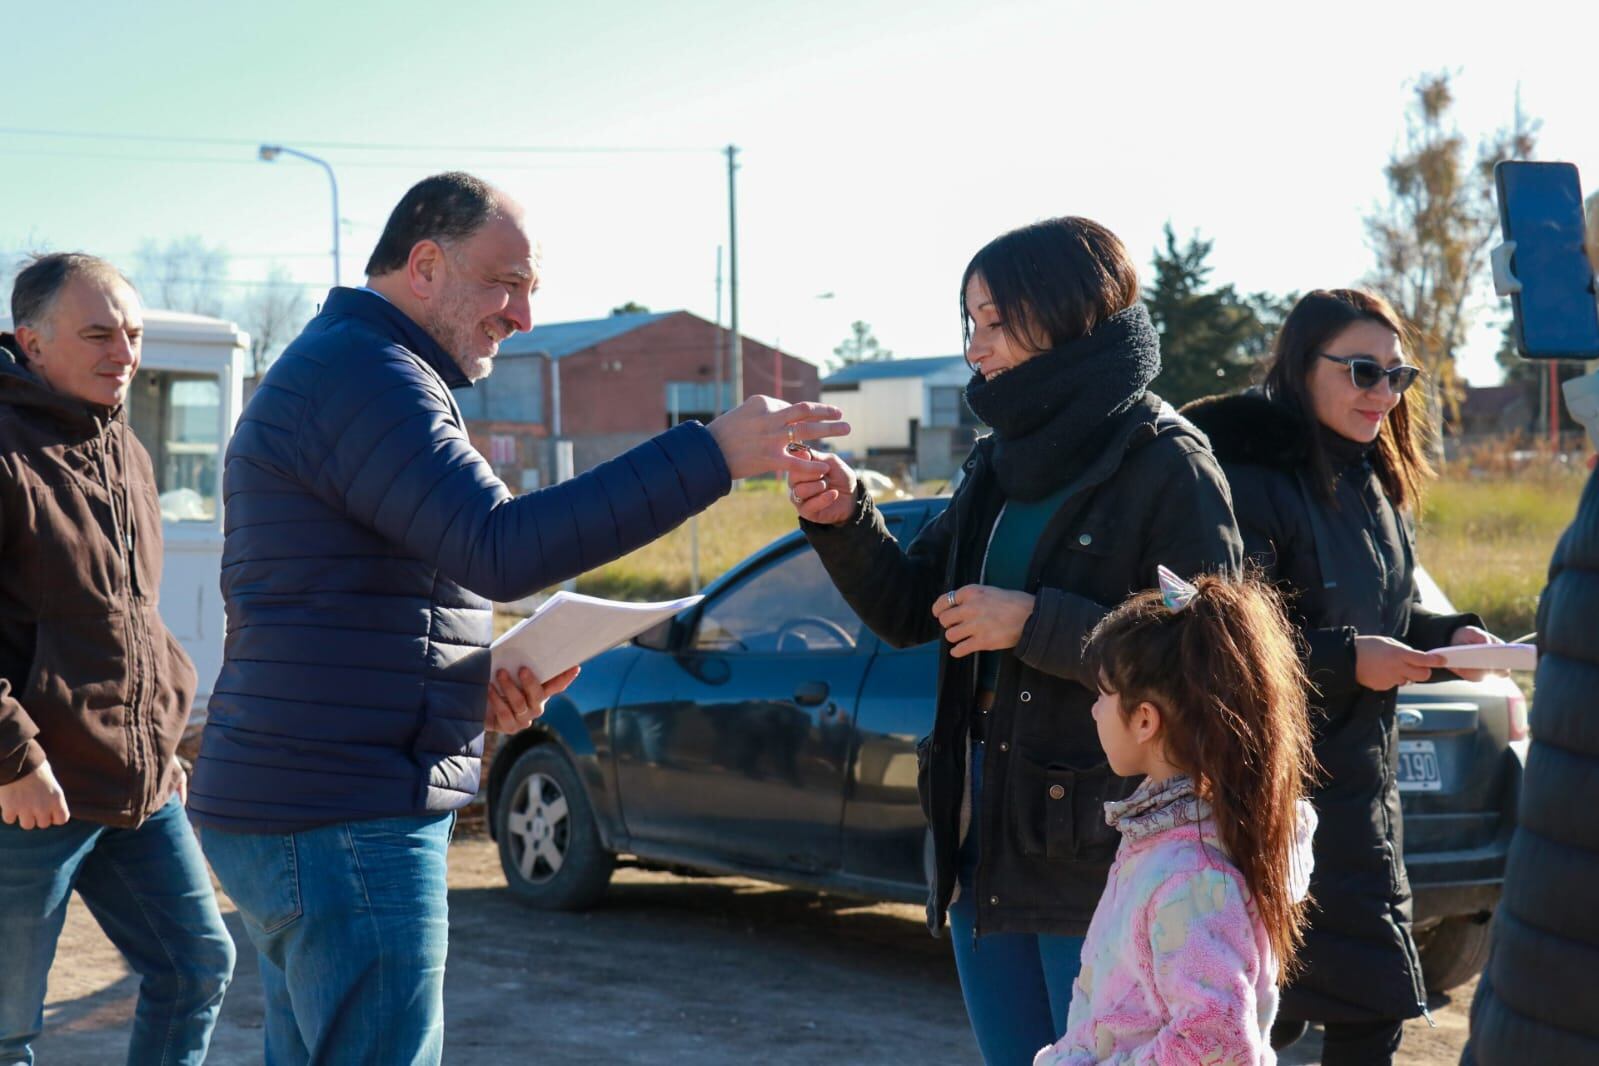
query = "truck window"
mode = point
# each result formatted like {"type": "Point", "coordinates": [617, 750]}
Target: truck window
{"type": "Point", "coordinates": [178, 418]}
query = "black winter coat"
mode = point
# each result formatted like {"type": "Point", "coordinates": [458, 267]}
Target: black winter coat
{"type": "Point", "coordinates": [1347, 567]}
{"type": "Point", "coordinates": [1538, 1001]}
{"type": "Point", "coordinates": [1154, 495]}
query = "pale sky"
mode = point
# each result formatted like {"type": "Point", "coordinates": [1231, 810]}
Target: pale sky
{"type": "Point", "coordinates": [882, 143]}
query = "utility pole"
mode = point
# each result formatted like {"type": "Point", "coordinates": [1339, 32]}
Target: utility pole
{"type": "Point", "coordinates": [736, 341]}
{"type": "Point", "coordinates": [721, 403]}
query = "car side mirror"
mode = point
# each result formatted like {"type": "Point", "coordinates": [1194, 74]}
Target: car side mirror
{"type": "Point", "coordinates": [659, 637]}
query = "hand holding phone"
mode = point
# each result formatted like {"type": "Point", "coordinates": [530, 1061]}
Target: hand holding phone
{"type": "Point", "coordinates": [1552, 289]}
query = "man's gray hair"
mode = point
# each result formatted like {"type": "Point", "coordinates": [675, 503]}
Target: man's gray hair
{"type": "Point", "coordinates": [39, 284]}
{"type": "Point", "coordinates": [445, 208]}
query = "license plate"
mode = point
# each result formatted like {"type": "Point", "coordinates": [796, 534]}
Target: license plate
{"type": "Point", "coordinates": [1418, 766]}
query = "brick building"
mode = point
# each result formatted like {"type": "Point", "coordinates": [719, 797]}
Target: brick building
{"type": "Point", "coordinates": [607, 384]}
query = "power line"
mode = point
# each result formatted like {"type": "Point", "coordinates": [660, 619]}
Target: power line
{"type": "Point", "coordinates": [126, 157]}
{"type": "Point", "coordinates": [265, 283]}
{"type": "Point", "coordinates": [358, 146]}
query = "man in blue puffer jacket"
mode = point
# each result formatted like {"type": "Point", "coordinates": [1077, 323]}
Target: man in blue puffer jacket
{"type": "Point", "coordinates": [365, 538]}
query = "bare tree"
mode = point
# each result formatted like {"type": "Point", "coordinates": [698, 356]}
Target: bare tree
{"type": "Point", "coordinates": [182, 275]}
{"type": "Point", "coordinates": [8, 274]}
{"type": "Point", "coordinates": [273, 313]}
{"type": "Point", "coordinates": [1432, 237]}
{"type": "Point", "coordinates": [14, 256]}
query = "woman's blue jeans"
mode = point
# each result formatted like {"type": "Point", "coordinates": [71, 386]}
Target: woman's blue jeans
{"type": "Point", "coordinates": [351, 925]}
{"type": "Point", "coordinates": [149, 890]}
{"type": "Point", "coordinates": [1017, 986]}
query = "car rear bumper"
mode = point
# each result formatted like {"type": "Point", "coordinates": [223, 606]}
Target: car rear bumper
{"type": "Point", "coordinates": [1448, 884]}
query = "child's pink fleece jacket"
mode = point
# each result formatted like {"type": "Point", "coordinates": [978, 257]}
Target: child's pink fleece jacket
{"type": "Point", "coordinates": [1177, 970]}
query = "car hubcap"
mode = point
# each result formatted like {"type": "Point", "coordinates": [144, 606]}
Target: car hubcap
{"type": "Point", "coordinates": [538, 828]}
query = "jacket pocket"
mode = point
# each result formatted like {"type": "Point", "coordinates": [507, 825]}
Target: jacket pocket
{"type": "Point", "coordinates": [79, 672]}
{"type": "Point", "coordinates": [1092, 535]}
{"type": "Point", "coordinates": [1058, 811]}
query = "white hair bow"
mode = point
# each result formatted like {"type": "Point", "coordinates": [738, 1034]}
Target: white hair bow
{"type": "Point", "coordinates": [1176, 593]}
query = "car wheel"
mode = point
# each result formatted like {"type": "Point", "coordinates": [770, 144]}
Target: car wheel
{"type": "Point", "coordinates": [1454, 951]}
{"type": "Point", "coordinates": [550, 848]}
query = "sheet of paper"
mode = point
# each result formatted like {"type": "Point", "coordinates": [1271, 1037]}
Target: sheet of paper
{"type": "Point", "coordinates": [1490, 656]}
{"type": "Point", "coordinates": [570, 628]}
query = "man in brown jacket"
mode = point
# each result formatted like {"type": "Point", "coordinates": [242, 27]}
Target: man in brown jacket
{"type": "Point", "coordinates": [94, 692]}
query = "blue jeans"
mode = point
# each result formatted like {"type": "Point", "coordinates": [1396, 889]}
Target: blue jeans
{"type": "Point", "coordinates": [1017, 986]}
{"type": "Point", "coordinates": [351, 926]}
{"type": "Point", "coordinates": [149, 890]}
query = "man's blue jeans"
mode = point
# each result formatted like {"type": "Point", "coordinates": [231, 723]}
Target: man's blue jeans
{"type": "Point", "coordinates": [149, 890]}
{"type": "Point", "coordinates": [1017, 986]}
{"type": "Point", "coordinates": [351, 925]}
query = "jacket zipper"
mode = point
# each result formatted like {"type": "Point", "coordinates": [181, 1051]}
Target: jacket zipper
{"type": "Point", "coordinates": [122, 530]}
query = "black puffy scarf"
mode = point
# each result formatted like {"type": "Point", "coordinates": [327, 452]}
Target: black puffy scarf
{"type": "Point", "coordinates": [1051, 414]}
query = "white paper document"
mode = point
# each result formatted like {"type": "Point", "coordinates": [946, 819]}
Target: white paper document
{"type": "Point", "coordinates": [570, 628]}
{"type": "Point", "coordinates": [1490, 656]}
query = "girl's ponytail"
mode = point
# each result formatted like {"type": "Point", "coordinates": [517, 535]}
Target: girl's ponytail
{"type": "Point", "coordinates": [1226, 674]}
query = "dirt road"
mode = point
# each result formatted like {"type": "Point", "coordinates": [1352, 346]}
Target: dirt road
{"type": "Point", "coordinates": [668, 970]}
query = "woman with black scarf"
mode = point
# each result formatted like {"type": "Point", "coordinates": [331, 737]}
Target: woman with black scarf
{"type": "Point", "coordinates": [1327, 468]}
{"type": "Point", "coordinates": [1087, 484]}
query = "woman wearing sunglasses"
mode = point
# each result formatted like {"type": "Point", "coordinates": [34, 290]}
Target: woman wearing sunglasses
{"type": "Point", "coordinates": [1327, 466]}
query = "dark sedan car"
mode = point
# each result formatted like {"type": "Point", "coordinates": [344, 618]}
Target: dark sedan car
{"type": "Point", "coordinates": [767, 732]}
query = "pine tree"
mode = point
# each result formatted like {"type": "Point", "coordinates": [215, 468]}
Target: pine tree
{"type": "Point", "coordinates": [1212, 340]}
{"type": "Point", "coordinates": [859, 347]}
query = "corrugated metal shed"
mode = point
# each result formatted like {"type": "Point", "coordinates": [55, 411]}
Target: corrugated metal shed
{"type": "Point", "coordinates": [892, 368]}
{"type": "Point", "coordinates": [560, 339]}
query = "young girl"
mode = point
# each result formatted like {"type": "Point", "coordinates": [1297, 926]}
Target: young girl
{"type": "Point", "coordinates": [1202, 693]}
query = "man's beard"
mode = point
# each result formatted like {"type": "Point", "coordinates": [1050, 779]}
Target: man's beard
{"type": "Point", "coordinates": [462, 338]}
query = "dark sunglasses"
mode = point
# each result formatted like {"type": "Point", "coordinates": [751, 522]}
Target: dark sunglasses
{"type": "Point", "coordinates": [1367, 373]}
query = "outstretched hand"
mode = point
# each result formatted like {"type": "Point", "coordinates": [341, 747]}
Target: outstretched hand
{"type": "Point", "coordinates": [754, 436]}
{"type": "Point", "coordinates": [515, 705]}
{"type": "Point", "coordinates": [830, 499]}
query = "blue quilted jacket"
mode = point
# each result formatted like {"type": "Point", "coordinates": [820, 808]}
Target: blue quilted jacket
{"type": "Point", "coordinates": [364, 540]}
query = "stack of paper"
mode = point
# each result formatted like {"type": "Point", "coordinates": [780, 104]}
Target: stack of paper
{"type": "Point", "coordinates": [570, 628]}
{"type": "Point", "coordinates": [1490, 656]}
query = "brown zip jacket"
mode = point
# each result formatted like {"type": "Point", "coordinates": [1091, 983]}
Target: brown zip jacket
{"type": "Point", "coordinates": [89, 677]}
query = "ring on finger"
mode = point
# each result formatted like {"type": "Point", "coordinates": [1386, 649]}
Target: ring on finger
{"type": "Point", "coordinates": [950, 597]}
{"type": "Point", "coordinates": [791, 441]}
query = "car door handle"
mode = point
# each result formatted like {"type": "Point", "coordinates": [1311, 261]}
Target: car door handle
{"type": "Point", "coordinates": [810, 693]}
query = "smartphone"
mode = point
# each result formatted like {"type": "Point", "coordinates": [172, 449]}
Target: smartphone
{"type": "Point", "coordinates": [1540, 209]}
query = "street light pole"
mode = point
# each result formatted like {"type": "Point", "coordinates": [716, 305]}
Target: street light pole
{"type": "Point", "coordinates": [269, 152]}
{"type": "Point", "coordinates": [732, 280]}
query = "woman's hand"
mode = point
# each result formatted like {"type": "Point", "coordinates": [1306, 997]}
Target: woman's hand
{"type": "Point", "coordinates": [514, 705]}
{"type": "Point", "coordinates": [982, 618]}
{"type": "Point", "coordinates": [1474, 635]}
{"type": "Point", "coordinates": [830, 500]}
{"type": "Point", "coordinates": [1382, 663]}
